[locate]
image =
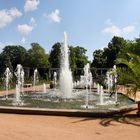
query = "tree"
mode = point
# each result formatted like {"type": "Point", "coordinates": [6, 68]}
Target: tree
{"type": "Point", "coordinates": [114, 47]}
{"type": "Point", "coordinates": [99, 60]}
{"type": "Point", "coordinates": [130, 74]}
{"type": "Point", "coordinates": [13, 55]}
{"type": "Point", "coordinates": [78, 58]}
{"type": "Point", "coordinates": [130, 47]}
{"type": "Point", "coordinates": [36, 56]}
{"type": "Point", "coordinates": [55, 54]}
{"type": "Point", "coordinates": [107, 56]}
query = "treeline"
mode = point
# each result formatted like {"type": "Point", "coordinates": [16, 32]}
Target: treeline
{"type": "Point", "coordinates": [36, 57]}
{"type": "Point", "coordinates": [117, 47]}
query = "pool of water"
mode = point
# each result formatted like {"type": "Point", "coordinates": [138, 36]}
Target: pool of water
{"type": "Point", "coordinates": [52, 99]}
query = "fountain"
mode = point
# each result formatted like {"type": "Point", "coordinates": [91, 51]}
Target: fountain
{"type": "Point", "coordinates": [19, 73]}
{"type": "Point", "coordinates": [22, 80]}
{"type": "Point", "coordinates": [55, 79]}
{"type": "Point", "coordinates": [66, 100]}
{"type": "Point", "coordinates": [111, 80]}
{"type": "Point", "coordinates": [115, 82]}
{"type": "Point", "coordinates": [88, 83]}
{"type": "Point", "coordinates": [35, 78]}
{"type": "Point", "coordinates": [44, 88]}
{"type": "Point", "coordinates": [66, 83]}
{"type": "Point", "coordinates": [100, 92]}
{"type": "Point", "coordinates": [7, 78]}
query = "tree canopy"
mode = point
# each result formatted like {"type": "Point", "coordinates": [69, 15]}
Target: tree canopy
{"type": "Point", "coordinates": [107, 56]}
{"type": "Point", "coordinates": [55, 54]}
{"type": "Point", "coordinates": [13, 55]}
{"type": "Point", "coordinates": [36, 56]}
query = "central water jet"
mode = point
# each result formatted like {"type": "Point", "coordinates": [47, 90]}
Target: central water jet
{"type": "Point", "coordinates": [66, 83]}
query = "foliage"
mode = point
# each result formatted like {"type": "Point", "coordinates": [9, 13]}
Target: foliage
{"type": "Point", "coordinates": [78, 58]}
{"type": "Point", "coordinates": [36, 56]}
{"type": "Point", "coordinates": [13, 55]}
{"type": "Point", "coordinates": [131, 74]}
{"type": "Point", "coordinates": [107, 56]}
{"type": "Point", "coordinates": [55, 54]}
{"type": "Point", "coordinates": [114, 47]}
{"type": "Point", "coordinates": [99, 60]}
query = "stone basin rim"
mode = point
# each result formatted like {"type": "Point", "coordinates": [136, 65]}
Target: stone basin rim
{"type": "Point", "coordinates": [65, 112]}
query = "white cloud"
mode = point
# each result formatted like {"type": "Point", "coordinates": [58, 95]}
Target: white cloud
{"type": "Point", "coordinates": [115, 30]}
{"type": "Point", "coordinates": [31, 5]}
{"type": "Point", "coordinates": [24, 29]}
{"type": "Point", "coordinates": [128, 29]}
{"type": "Point", "coordinates": [54, 16]}
{"type": "Point", "coordinates": [7, 16]}
{"type": "Point", "coordinates": [15, 12]}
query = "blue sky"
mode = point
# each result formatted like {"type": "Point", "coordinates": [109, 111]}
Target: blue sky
{"type": "Point", "coordinates": [89, 23]}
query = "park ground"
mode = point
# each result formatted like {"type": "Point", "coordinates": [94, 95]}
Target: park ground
{"type": "Point", "coordinates": [35, 127]}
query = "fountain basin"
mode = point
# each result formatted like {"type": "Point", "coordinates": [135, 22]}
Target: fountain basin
{"type": "Point", "coordinates": [64, 112]}
{"type": "Point", "coordinates": [40, 103]}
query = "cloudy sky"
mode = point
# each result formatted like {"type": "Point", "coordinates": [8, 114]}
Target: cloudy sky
{"type": "Point", "coordinates": [88, 23]}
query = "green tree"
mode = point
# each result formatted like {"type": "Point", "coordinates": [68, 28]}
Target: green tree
{"type": "Point", "coordinates": [130, 75]}
{"type": "Point", "coordinates": [111, 52]}
{"type": "Point", "coordinates": [13, 55]}
{"type": "Point", "coordinates": [36, 56]}
{"type": "Point", "coordinates": [78, 57]}
{"type": "Point", "coordinates": [130, 47]}
{"type": "Point", "coordinates": [55, 54]}
{"type": "Point", "coordinates": [107, 56]}
{"type": "Point", "coordinates": [99, 60]}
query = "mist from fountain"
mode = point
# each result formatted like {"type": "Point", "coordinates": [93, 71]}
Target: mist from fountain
{"type": "Point", "coordinates": [66, 82]}
{"type": "Point", "coordinates": [7, 78]}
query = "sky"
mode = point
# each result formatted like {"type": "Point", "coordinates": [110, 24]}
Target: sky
{"type": "Point", "coordinates": [89, 23]}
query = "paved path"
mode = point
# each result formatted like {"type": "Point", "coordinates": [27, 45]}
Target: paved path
{"type": "Point", "coordinates": [30, 127]}
{"type": "Point", "coordinates": [39, 87]}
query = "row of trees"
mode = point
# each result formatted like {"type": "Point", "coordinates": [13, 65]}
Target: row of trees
{"type": "Point", "coordinates": [36, 57]}
{"type": "Point", "coordinates": [117, 47]}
